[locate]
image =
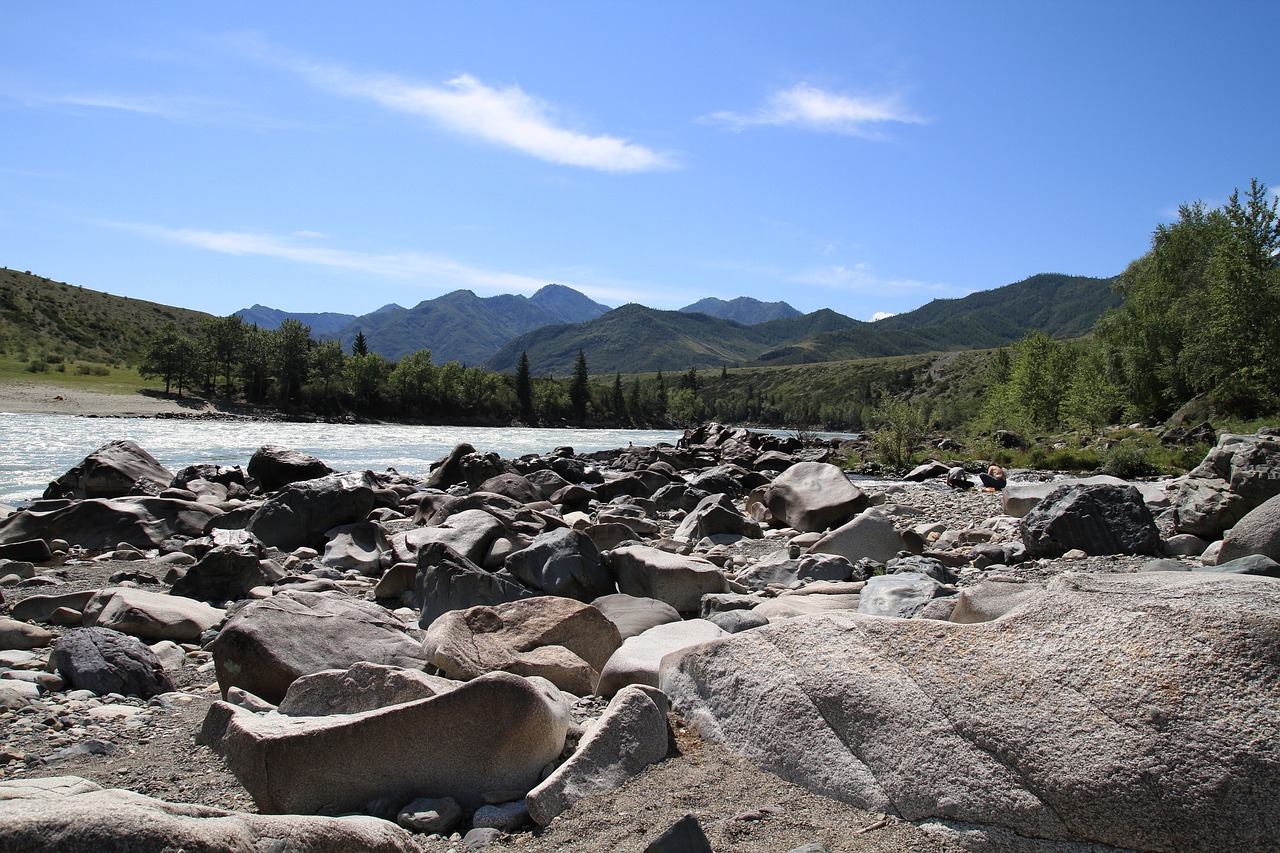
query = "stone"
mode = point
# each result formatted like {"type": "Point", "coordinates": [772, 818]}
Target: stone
{"type": "Point", "coordinates": [715, 515]}
{"type": "Point", "coordinates": [494, 733]}
{"type": "Point", "coordinates": [363, 687]}
{"type": "Point", "coordinates": [1237, 475]}
{"type": "Point", "coordinates": [1149, 741]}
{"type": "Point", "coordinates": [362, 546]}
{"type": "Point", "coordinates": [562, 640]}
{"type": "Point", "coordinates": [683, 836]}
{"type": "Point", "coordinates": [470, 533]}
{"type": "Point", "coordinates": [106, 661]}
{"type": "Point", "coordinates": [791, 606]}
{"type": "Point", "coordinates": [634, 615]}
{"type": "Point", "coordinates": [651, 573]}
{"type": "Point", "coordinates": [1254, 564]}
{"type": "Point", "coordinates": [1184, 545]}
{"type": "Point", "coordinates": [1098, 520]}
{"type": "Point", "coordinates": [1018, 499]}
{"type": "Point", "coordinates": [736, 621]}
{"type": "Point", "coordinates": [109, 472]}
{"type": "Point", "coordinates": [811, 497]}
{"type": "Point", "coordinates": [78, 819]}
{"type": "Point", "coordinates": [448, 471]}
{"type": "Point", "coordinates": [22, 635]}
{"type": "Point", "coordinates": [636, 660]}
{"type": "Point", "coordinates": [431, 815]}
{"type": "Point", "coordinates": [447, 581]}
{"type": "Point", "coordinates": [990, 600]}
{"type": "Point", "coordinates": [226, 573]}
{"type": "Point", "coordinates": [171, 655]}
{"type": "Point", "coordinates": [513, 486]}
{"type": "Point", "coordinates": [275, 467]}
{"type": "Point", "coordinates": [302, 512]}
{"type": "Point", "coordinates": [564, 563]}
{"type": "Point", "coordinates": [1258, 532]}
{"type": "Point", "coordinates": [504, 817]}
{"type": "Point", "coordinates": [869, 534]}
{"type": "Point", "coordinates": [786, 571]}
{"type": "Point", "coordinates": [39, 608]}
{"type": "Point", "coordinates": [267, 644]}
{"type": "Point", "coordinates": [22, 553]}
{"type": "Point", "coordinates": [102, 524]}
{"type": "Point", "coordinates": [630, 735]}
{"type": "Point", "coordinates": [151, 616]}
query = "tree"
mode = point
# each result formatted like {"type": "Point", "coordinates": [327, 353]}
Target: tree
{"type": "Point", "coordinates": [292, 357]}
{"type": "Point", "coordinates": [366, 376]}
{"type": "Point", "coordinates": [524, 389]}
{"type": "Point", "coordinates": [412, 380]}
{"type": "Point", "coordinates": [168, 357]}
{"type": "Point", "coordinates": [1201, 311]}
{"type": "Point", "coordinates": [327, 363]}
{"type": "Point", "coordinates": [360, 346]}
{"type": "Point", "coordinates": [225, 338]}
{"type": "Point", "coordinates": [580, 389]}
{"type": "Point", "coordinates": [617, 401]}
{"type": "Point", "coordinates": [255, 363]}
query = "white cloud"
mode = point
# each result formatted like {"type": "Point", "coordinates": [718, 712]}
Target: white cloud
{"type": "Point", "coordinates": [509, 117]}
{"type": "Point", "coordinates": [883, 315]}
{"type": "Point", "coordinates": [861, 278]}
{"type": "Point", "coordinates": [811, 108]}
{"type": "Point", "coordinates": [408, 265]}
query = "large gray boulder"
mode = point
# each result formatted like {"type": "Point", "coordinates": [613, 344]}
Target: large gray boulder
{"type": "Point", "coordinates": [562, 640]}
{"type": "Point", "coordinates": [109, 472]}
{"type": "Point", "coordinates": [901, 595]}
{"type": "Point", "coordinates": [469, 532]}
{"type": "Point", "coordinates": [448, 581]}
{"type": "Point", "coordinates": [493, 734]}
{"type": "Point", "coordinates": [363, 687]}
{"type": "Point", "coordinates": [677, 580]}
{"type": "Point", "coordinates": [99, 523]}
{"type": "Point", "coordinates": [716, 515]}
{"type": "Point", "coordinates": [151, 616]}
{"type": "Point", "coordinates": [811, 497]}
{"type": "Point", "coordinates": [630, 735]}
{"type": "Point", "coordinates": [1165, 737]}
{"type": "Point", "coordinates": [634, 615]}
{"type": "Point", "coordinates": [1018, 499]}
{"type": "Point", "coordinates": [562, 562]}
{"type": "Point", "coordinates": [636, 661]}
{"type": "Point", "coordinates": [226, 573]}
{"type": "Point", "coordinates": [1257, 533]}
{"type": "Point", "coordinates": [274, 467]}
{"type": "Point", "coordinates": [301, 513]}
{"type": "Point", "coordinates": [363, 546]}
{"type": "Point", "coordinates": [81, 818]}
{"type": "Point", "coordinates": [1098, 520]}
{"type": "Point", "coordinates": [786, 571]}
{"type": "Point", "coordinates": [1240, 473]}
{"type": "Point", "coordinates": [267, 644]}
{"type": "Point", "coordinates": [870, 534]}
{"type": "Point", "coordinates": [107, 661]}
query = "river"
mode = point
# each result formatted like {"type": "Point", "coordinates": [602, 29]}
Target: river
{"type": "Point", "coordinates": [35, 449]}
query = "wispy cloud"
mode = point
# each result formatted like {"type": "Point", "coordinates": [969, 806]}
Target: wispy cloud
{"type": "Point", "coordinates": [861, 278]}
{"type": "Point", "coordinates": [810, 108]}
{"type": "Point", "coordinates": [506, 116]}
{"type": "Point", "coordinates": [195, 111]}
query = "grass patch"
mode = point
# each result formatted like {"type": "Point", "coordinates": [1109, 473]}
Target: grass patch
{"type": "Point", "coordinates": [85, 376]}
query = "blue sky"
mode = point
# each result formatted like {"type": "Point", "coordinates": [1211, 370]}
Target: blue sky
{"type": "Point", "coordinates": [864, 157]}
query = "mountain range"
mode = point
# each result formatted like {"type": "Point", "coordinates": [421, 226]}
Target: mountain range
{"type": "Point", "coordinates": [558, 321]}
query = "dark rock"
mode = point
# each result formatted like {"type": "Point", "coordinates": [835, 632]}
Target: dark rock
{"type": "Point", "coordinates": [274, 467]}
{"type": "Point", "coordinates": [27, 551]}
{"type": "Point", "coordinates": [1254, 564]}
{"type": "Point", "coordinates": [1098, 520]}
{"type": "Point", "coordinates": [684, 836]}
{"type": "Point", "coordinates": [716, 515]}
{"type": "Point", "coordinates": [562, 562]}
{"type": "Point", "coordinates": [448, 581]}
{"type": "Point", "coordinates": [737, 621]}
{"type": "Point", "coordinates": [99, 524]}
{"type": "Point", "coordinates": [809, 567]}
{"type": "Point", "coordinates": [300, 513]}
{"type": "Point", "coordinates": [225, 573]}
{"type": "Point", "coordinates": [107, 661]}
{"type": "Point", "coordinates": [109, 472]}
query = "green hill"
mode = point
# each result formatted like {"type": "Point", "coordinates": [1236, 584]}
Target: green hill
{"type": "Point", "coordinates": [41, 317]}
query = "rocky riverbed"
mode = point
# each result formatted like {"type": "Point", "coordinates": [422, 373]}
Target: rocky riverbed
{"type": "Point", "coordinates": [751, 539]}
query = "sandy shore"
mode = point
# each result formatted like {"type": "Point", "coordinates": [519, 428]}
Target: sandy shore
{"type": "Point", "coordinates": [24, 396]}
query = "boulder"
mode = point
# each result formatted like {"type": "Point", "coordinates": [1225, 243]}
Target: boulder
{"type": "Point", "coordinates": [448, 471]}
{"type": "Point", "coordinates": [1098, 520]}
{"type": "Point", "coordinates": [636, 660]}
{"type": "Point", "coordinates": [562, 640]}
{"type": "Point", "coordinates": [1161, 738]}
{"type": "Point", "coordinates": [1018, 499]}
{"type": "Point", "coordinates": [811, 497]}
{"type": "Point", "coordinates": [267, 644]}
{"type": "Point", "coordinates": [562, 562]}
{"type": "Point", "coordinates": [109, 472]}
{"type": "Point", "coordinates": [150, 616]}
{"type": "Point", "coordinates": [495, 733]}
{"type": "Point", "coordinates": [39, 608]}
{"type": "Point", "coordinates": [22, 635]}
{"type": "Point", "coordinates": [363, 687]}
{"type": "Point", "coordinates": [901, 595]}
{"type": "Point", "coordinates": [870, 534]}
{"type": "Point", "coordinates": [106, 661]}
{"type": "Point", "coordinates": [630, 735]}
{"type": "Point", "coordinates": [1237, 475]}
{"type": "Point", "coordinates": [362, 546]}
{"type": "Point", "coordinates": [470, 532]}
{"type": "Point", "coordinates": [716, 515]}
{"type": "Point", "coordinates": [91, 821]}
{"type": "Point", "coordinates": [28, 551]}
{"type": "Point", "coordinates": [100, 524]}
{"type": "Point", "coordinates": [275, 467]}
{"type": "Point", "coordinates": [300, 513]}
{"type": "Point", "coordinates": [736, 621]}
{"type": "Point", "coordinates": [513, 486]}
{"type": "Point", "coordinates": [447, 581]}
{"type": "Point", "coordinates": [226, 573]}
{"type": "Point", "coordinates": [1257, 533]}
{"type": "Point", "coordinates": [651, 573]}
{"type": "Point", "coordinates": [633, 615]}
{"type": "Point", "coordinates": [786, 571]}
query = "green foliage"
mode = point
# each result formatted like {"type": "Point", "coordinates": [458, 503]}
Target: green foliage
{"type": "Point", "coordinates": [580, 388]}
{"type": "Point", "coordinates": [899, 428]}
{"type": "Point", "coordinates": [1202, 310]}
{"type": "Point", "coordinates": [524, 389]}
{"type": "Point", "coordinates": [1127, 460]}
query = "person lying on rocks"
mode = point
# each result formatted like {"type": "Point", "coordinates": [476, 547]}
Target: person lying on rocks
{"type": "Point", "coordinates": [994, 478]}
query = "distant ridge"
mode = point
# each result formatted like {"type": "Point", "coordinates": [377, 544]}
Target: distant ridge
{"type": "Point", "coordinates": [744, 310]}
{"type": "Point", "coordinates": [269, 319]}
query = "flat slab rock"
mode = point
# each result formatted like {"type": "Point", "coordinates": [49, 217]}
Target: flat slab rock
{"type": "Point", "coordinates": [1165, 735]}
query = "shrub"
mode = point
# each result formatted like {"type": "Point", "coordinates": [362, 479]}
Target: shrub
{"type": "Point", "coordinates": [1126, 461]}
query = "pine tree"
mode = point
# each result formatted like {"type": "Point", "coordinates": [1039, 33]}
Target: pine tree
{"type": "Point", "coordinates": [524, 389]}
{"type": "Point", "coordinates": [580, 390]}
{"type": "Point", "coordinates": [360, 346]}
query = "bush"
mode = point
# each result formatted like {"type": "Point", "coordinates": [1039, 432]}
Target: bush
{"type": "Point", "coordinates": [902, 427]}
{"type": "Point", "coordinates": [1127, 461]}
{"type": "Point", "coordinates": [37, 367]}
